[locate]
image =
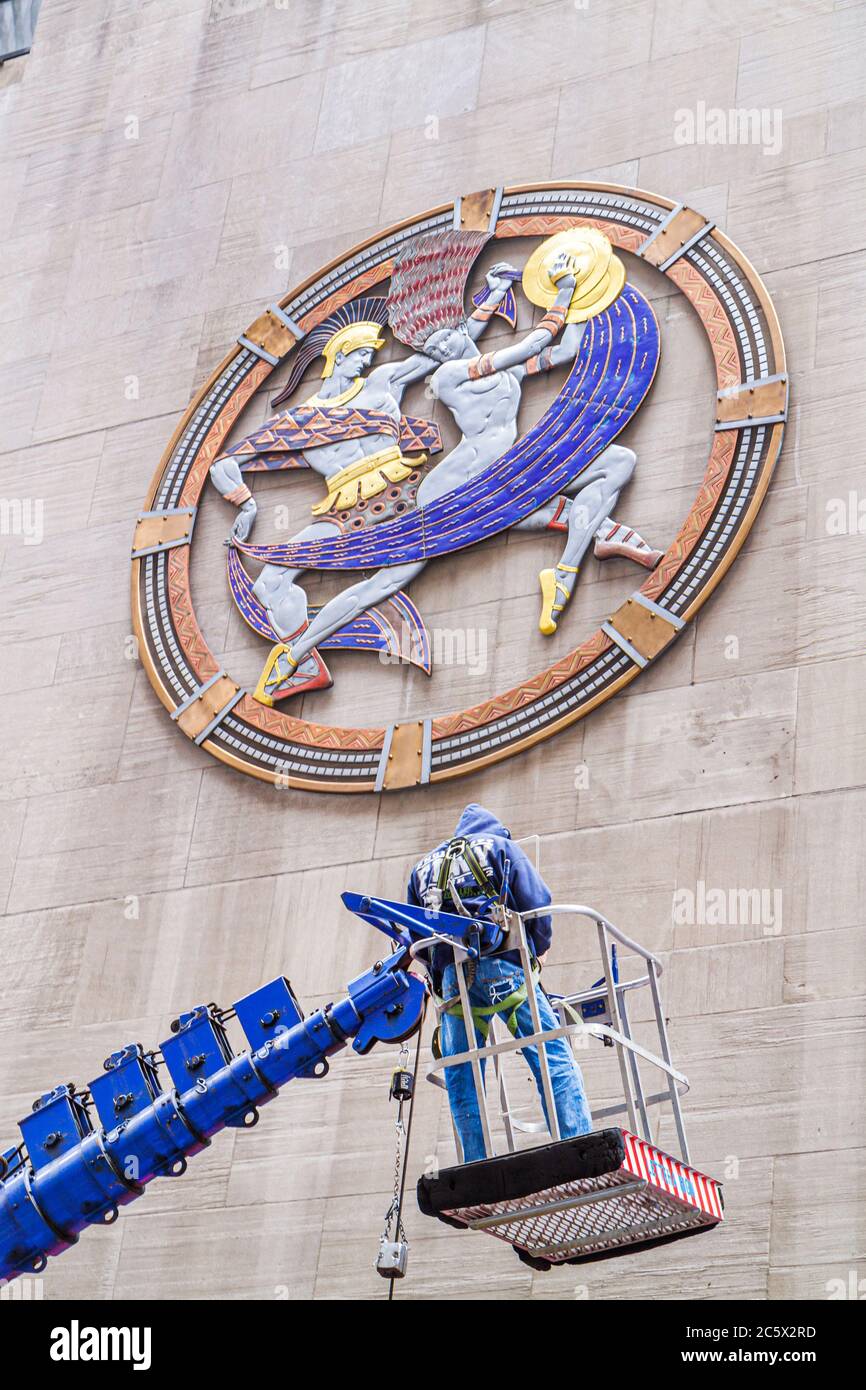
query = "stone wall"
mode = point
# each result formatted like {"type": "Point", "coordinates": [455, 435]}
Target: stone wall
{"type": "Point", "coordinates": [156, 158]}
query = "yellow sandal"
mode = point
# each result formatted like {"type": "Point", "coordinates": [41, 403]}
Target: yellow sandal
{"type": "Point", "coordinates": [270, 675]}
{"type": "Point", "coordinates": [550, 588]}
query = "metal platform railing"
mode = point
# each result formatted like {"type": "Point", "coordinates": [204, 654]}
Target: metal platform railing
{"type": "Point", "coordinates": [612, 1025]}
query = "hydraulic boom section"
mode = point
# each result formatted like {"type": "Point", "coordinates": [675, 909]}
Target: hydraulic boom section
{"type": "Point", "coordinates": [84, 1154]}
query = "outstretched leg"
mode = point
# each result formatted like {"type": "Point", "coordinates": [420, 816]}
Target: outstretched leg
{"type": "Point", "coordinates": [613, 538]}
{"type": "Point", "coordinates": [287, 667]}
{"type": "Point", "coordinates": [599, 487]}
{"type": "Point", "coordinates": [595, 493]}
{"type": "Point", "coordinates": [279, 592]}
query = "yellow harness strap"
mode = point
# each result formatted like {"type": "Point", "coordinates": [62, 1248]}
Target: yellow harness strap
{"type": "Point", "coordinates": [482, 1015]}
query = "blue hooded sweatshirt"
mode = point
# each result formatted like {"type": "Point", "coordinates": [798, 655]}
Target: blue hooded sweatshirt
{"type": "Point", "coordinates": [493, 847]}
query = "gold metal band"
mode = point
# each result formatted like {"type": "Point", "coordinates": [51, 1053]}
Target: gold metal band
{"type": "Point", "coordinates": [366, 478]}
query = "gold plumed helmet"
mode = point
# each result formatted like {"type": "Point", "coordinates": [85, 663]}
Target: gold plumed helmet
{"type": "Point", "coordinates": [349, 339]}
{"type": "Point", "coordinates": [360, 323]}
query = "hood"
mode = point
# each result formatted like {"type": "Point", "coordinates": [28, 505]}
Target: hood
{"type": "Point", "coordinates": [477, 820]}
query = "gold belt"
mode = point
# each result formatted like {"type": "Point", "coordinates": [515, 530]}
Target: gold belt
{"type": "Point", "coordinates": [366, 478]}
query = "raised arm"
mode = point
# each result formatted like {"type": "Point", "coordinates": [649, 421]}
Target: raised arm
{"type": "Point", "coordinates": [396, 376]}
{"type": "Point", "coordinates": [549, 327]}
{"type": "Point", "coordinates": [565, 350]}
{"type": "Point", "coordinates": [498, 281]}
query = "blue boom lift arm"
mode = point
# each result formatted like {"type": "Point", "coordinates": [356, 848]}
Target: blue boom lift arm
{"type": "Point", "coordinates": [85, 1154]}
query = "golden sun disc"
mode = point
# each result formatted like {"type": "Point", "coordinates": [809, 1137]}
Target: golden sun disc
{"type": "Point", "coordinates": [599, 274]}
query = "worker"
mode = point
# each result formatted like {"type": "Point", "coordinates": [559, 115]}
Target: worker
{"type": "Point", "coordinates": [475, 873]}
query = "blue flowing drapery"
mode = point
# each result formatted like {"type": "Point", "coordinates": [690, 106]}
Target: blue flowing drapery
{"type": "Point", "coordinates": [611, 375]}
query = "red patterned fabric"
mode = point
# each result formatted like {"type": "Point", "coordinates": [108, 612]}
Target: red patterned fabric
{"type": "Point", "coordinates": [278, 444]}
{"type": "Point", "coordinates": [428, 283]}
{"type": "Point", "coordinates": [308, 427]}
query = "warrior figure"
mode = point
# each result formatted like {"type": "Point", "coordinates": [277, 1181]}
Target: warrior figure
{"type": "Point", "coordinates": [483, 394]}
{"type": "Point", "coordinates": [352, 430]}
{"type": "Point", "coordinates": [357, 449]}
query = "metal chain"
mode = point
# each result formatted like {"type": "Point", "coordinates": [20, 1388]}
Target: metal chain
{"type": "Point", "coordinates": [400, 1131]}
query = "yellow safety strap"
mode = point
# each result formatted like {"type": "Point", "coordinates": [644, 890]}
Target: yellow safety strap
{"type": "Point", "coordinates": [482, 1015]}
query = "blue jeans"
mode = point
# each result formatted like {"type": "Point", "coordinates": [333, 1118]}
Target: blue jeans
{"type": "Point", "coordinates": [495, 980]}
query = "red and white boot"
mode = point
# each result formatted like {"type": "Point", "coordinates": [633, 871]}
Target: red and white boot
{"type": "Point", "coordinates": [612, 539]}
{"type": "Point", "coordinates": [284, 675]}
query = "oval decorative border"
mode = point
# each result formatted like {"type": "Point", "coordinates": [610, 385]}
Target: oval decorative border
{"type": "Point", "coordinates": [752, 401]}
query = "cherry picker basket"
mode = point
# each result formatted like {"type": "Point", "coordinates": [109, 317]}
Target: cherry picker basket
{"type": "Point", "coordinates": [602, 1193]}
{"type": "Point", "coordinates": [597, 1195]}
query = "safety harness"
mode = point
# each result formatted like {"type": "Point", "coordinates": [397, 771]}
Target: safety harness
{"type": "Point", "coordinates": [482, 1015]}
{"type": "Point", "coordinates": [493, 932]}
